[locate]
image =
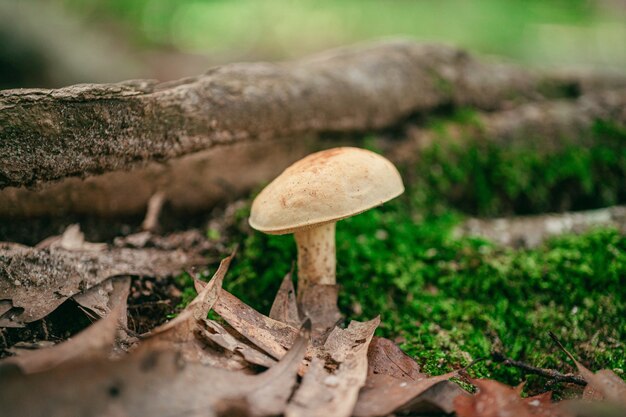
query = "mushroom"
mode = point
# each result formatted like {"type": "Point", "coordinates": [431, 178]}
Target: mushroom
{"type": "Point", "coordinates": [311, 195]}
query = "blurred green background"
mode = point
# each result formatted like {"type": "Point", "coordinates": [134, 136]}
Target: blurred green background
{"type": "Point", "coordinates": [110, 40]}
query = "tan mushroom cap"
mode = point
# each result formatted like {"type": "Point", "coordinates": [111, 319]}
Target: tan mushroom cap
{"type": "Point", "coordinates": [325, 187]}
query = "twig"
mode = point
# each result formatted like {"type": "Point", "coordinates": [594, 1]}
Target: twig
{"type": "Point", "coordinates": [547, 373]}
{"type": "Point", "coordinates": [155, 204]}
{"type": "Point", "coordinates": [560, 345]}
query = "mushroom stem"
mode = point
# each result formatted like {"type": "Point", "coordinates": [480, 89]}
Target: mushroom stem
{"type": "Point", "coordinates": [316, 256]}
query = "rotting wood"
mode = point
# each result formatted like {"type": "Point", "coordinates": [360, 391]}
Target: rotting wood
{"type": "Point", "coordinates": [201, 180]}
{"type": "Point", "coordinates": [87, 129]}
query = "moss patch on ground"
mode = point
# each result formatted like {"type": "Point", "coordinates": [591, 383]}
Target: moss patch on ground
{"type": "Point", "coordinates": [450, 300]}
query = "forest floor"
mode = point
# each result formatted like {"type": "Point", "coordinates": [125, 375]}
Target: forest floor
{"type": "Point", "coordinates": [447, 300]}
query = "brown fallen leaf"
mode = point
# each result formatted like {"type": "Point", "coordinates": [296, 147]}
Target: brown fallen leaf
{"type": "Point", "coordinates": [495, 399]}
{"type": "Point", "coordinates": [272, 336]}
{"type": "Point", "coordinates": [37, 281]}
{"type": "Point", "coordinates": [285, 307]}
{"type": "Point", "coordinates": [150, 383]}
{"type": "Point", "coordinates": [101, 298]}
{"type": "Point", "coordinates": [184, 333]}
{"type": "Point", "coordinates": [395, 384]}
{"type": "Point", "coordinates": [221, 337]}
{"type": "Point", "coordinates": [383, 395]}
{"type": "Point", "coordinates": [385, 357]}
{"type": "Point", "coordinates": [336, 374]}
{"type": "Point", "coordinates": [602, 385]}
{"type": "Point", "coordinates": [95, 341]}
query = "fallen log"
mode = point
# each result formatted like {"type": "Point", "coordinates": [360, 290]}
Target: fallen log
{"type": "Point", "coordinates": [88, 129]}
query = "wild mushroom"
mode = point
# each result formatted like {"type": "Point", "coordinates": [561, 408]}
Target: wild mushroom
{"type": "Point", "coordinates": [311, 195]}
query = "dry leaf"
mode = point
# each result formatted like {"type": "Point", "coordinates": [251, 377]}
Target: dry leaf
{"type": "Point", "coordinates": [285, 307]}
{"type": "Point", "coordinates": [336, 374]}
{"type": "Point", "coordinates": [185, 332]}
{"type": "Point", "coordinates": [220, 336]}
{"type": "Point", "coordinates": [101, 298]}
{"type": "Point", "coordinates": [498, 400]}
{"type": "Point", "coordinates": [150, 383]}
{"type": "Point", "coordinates": [385, 357]}
{"type": "Point", "coordinates": [272, 336]}
{"type": "Point", "coordinates": [395, 384]}
{"type": "Point", "coordinates": [37, 281]}
{"type": "Point", "coordinates": [602, 385]}
{"type": "Point", "coordinates": [95, 341]}
{"type": "Point", "coordinates": [384, 394]}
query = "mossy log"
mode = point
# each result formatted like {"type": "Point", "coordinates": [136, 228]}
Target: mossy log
{"type": "Point", "coordinates": [544, 125]}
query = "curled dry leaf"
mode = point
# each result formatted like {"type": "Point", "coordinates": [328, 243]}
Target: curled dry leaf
{"type": "Point", "coordinates": [285, 307]}
{"type": "Point", "coordinates": [37, 281]}
{"type": "Point", "coordinates": [336, 374]}
{"type": "Point", "coordinates": [498, 400]}
{"type": "Point", "coordinates": [185, 332]}
{"type": "Point", "coordinates": [221, 337]}
{"type": "Point", "coordinates": [272, 336]}
{"type": "Point", "coordinates": [95, 341]}
{"type": "Point", "coordinates": [149, 382]}
{"type": "Point", "coordinates": [395, 384]}
{"type": "Point", "coordinates": [101, 298]}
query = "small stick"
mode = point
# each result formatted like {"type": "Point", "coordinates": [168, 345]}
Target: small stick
{"type": "Point", "coordinates": [547, 373]}
{"type": "Point", "coordinates": [560, 345]}
{"type": "Point", "coordinates": [155, 204]}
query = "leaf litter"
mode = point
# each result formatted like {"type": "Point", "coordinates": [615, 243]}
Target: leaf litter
{"type": "Point", "coordinates": [196, 366]}
{"type": "Point", "coordinates": [34, 281]}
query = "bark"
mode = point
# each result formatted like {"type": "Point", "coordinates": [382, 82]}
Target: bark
{"type": "Point", "coordinates": [199, 181]}
{"type": "Point", "coordinates": [192, 183]}
{"type": "Point", "coordinates": [88, 129]}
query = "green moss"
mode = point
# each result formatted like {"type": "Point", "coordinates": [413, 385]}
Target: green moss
{"type": "Point", "coordinates": [452, 300]}
{"type": "Point", "coordinates": [487, 179]}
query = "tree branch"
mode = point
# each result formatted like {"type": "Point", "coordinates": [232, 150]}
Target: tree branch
{"type": "Point", "coordinates": [87, 129]}
{"type": "Point", "coordinates": [547, 373]}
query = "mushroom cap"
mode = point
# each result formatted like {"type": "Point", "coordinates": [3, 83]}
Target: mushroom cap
{"type": "Point", "coordinates": [325, 187]}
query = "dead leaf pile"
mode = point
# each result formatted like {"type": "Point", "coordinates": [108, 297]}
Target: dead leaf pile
{"type": "Point", "coordinates": [297, 362]}
{"type": "Point", "coordinates": [35, 281]}
{"type": "Point", "coordinates": [196, 366]}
